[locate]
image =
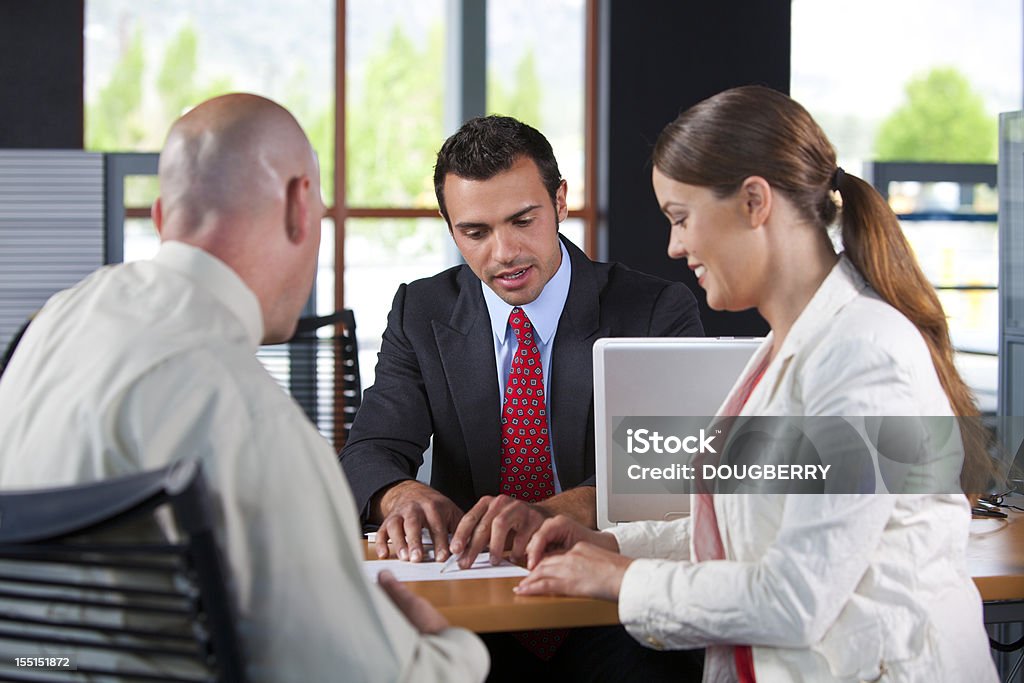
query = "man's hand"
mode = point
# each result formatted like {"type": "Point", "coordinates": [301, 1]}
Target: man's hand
{"type": "Point", "coordinates": [560, 534]}
{"type": "Point", "coordinates": [416, 609]}
{"type": "Point", "coordinates": [585, 571]}
{"type": "Point", "coordinates": [408, 507]}
{"type": "Point", "coordinates": [496, 522]}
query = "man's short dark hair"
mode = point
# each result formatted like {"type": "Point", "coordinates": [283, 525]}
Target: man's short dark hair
{"type": "Point", "coordinates": [486, 146]}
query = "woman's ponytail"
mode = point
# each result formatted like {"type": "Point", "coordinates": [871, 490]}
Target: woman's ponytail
{"type": "Point", "coordinates": [875, 244]}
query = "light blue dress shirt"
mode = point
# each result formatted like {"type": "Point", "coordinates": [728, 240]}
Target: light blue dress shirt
{"type": "Point", "coordinates": [544, 313]}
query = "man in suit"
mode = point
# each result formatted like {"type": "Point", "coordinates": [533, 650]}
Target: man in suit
{"type": "Point", "coordinates": [493, 359]}
{"type": "Point", "coordinates": [445, 355]}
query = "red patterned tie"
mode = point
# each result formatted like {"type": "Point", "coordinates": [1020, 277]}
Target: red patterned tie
{"type": "Point", "coordinates": [526, 471]}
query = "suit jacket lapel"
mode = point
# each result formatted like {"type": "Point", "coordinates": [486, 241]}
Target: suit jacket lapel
{"type": "Point", "coordinates": [572, 367]}
{"type": "Point", "coordinates": [467, 356]}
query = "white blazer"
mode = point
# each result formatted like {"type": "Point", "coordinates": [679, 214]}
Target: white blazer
{"type": "Point", "coordinates": [824, 587]}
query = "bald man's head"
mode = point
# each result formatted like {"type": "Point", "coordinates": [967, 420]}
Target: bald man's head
{"type": "Point", "coordinates": [229, 157]}
{"type": "Point", "coordinates": [239, 179]}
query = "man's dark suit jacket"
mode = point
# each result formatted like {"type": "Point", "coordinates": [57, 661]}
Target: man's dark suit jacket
{"type": "Point", "coordinates": [436, 375]}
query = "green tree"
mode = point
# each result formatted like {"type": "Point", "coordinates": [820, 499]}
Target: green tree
{"type": "Point", "coordinates": [393, 129]}
{"type": "Point", "coordinates": [524, 99]}
{"type": "Point", "coordinates": [318, 124]}
{"type": "Point", "coordinates": [117, 121]}
{"type": "Point", "coordinates": [943, 119]}
{"type": "Point", "coordinates": [394, 124]}
{"type": "Point", "coordinates": [114, 122]}
{"type": "Point", "coordinates": [177, 83]}
{"type": "Point", "coordinates": [174, 83]}
{"type": "Point", "coordinates": [320, 129]}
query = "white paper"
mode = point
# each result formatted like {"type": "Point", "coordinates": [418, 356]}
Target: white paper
{"type": "Point", "coordinates": [425, 537]}
{"type": "Point", "coordinates": [431, 571]}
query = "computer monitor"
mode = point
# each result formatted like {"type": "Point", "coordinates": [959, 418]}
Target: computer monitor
{"type": "Point", "coordinates": [651, 377]}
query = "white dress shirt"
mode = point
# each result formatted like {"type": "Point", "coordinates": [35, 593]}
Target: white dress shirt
{"type": "Point", "coordinates": [824, 587]}
{"type": "Point", "coordinates": [544, 313]}
{"type": "Point", "coordinates": [144, 363]}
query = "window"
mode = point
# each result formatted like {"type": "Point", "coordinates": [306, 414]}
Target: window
{"type": "Point", "coordinates": [394, 72]}
{"type": "Point", "coordinates": [540, 78]}
{"type": "Point", "coordinates": [147, 63]}
{"type": "Point", "coordinates": [874, 86]}
{"type": "Point", "coordinates": [383, 66]}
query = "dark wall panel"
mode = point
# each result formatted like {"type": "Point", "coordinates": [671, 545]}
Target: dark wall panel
{"type": "Point", "coordinates": [659, 58]}
{"type": "Point", "coordinates": [41, 60]}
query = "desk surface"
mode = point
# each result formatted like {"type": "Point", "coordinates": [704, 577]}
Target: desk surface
{"type": "Point", "coordinates": [489, 605]}
{"type": "Point", "coordinates": [995, 559]}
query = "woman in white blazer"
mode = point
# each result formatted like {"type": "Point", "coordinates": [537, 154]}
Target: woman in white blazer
{"type": "Point", "coordinates": [797, 587]}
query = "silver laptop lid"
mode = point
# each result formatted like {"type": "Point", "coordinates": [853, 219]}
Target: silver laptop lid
{"type": "Point", "coordinates": [656, 377]}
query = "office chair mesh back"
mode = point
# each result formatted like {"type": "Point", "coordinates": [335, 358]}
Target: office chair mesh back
{"type": "Point", "coordinates": [319, 367]}
{"type": "Point", "coordinates": [85, 573]}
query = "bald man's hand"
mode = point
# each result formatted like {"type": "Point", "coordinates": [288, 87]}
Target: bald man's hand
{"type": "Point", "coordinates": [407, 508]}
{"type": "Point", "coordinates": [417, 610]}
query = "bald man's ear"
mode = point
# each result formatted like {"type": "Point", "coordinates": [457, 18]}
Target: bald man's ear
{"type": "Point", "coordinates": [157, 213]}
{"type": "Point", "coordinates": [297, 209]}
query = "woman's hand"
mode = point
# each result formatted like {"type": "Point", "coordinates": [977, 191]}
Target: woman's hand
{"type": "Point", "coordinates": [560, 533]}
{"type": "Point", "coordinates": [584, 571]}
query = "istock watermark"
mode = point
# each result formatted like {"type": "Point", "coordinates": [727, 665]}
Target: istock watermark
{"type": "Point", "coordinates": [644, 441]}
{"type": "Point", "coordinates": [807, 455]}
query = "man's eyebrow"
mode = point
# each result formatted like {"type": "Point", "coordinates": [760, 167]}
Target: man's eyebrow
{"type": "Point", "coordinates": [467, 225]}
{"type": "Point", "coordinates": [522, 212]}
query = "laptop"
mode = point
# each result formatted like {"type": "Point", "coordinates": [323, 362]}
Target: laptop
{"type": "Point", "coordinates": [677, 384]}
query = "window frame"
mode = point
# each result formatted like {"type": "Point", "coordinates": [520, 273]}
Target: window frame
{"type": "Point", "coordinates": [340, 210]}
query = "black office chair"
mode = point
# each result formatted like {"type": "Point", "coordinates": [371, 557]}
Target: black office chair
{"type": "Point", "coordinates": [78, 580]}
{"type": "Point", "coordinates": [319, 367]}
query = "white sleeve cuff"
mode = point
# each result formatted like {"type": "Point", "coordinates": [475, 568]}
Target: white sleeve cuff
{"type": "Point", "coordinates": [668, 540]}
{"type": "Point", "coordinates": [634, 603]}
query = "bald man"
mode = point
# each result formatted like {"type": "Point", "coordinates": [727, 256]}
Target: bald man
{"type": "Point", "coordinates": [145, 363]}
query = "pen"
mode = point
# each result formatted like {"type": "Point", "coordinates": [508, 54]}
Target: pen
{"type": "Point", "coordinates": [451, 564]}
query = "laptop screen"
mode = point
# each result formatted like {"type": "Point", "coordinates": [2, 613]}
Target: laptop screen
{"type": "Point", "coordinates": [656, 378]}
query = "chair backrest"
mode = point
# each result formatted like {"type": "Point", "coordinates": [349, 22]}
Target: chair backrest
{"type": "Point", "coordinates": [86, 575]}
{"type": "Point", "coordinates": [319, 367]}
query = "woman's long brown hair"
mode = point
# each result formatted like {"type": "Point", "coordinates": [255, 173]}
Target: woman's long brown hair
{"type": "Point", "coordinates": [753, 130]}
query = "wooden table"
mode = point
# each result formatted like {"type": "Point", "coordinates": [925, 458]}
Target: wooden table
{"type": "Point", "coordinates": [995, 560]}
{"type": "Point", "coordinates": [489, 605]}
